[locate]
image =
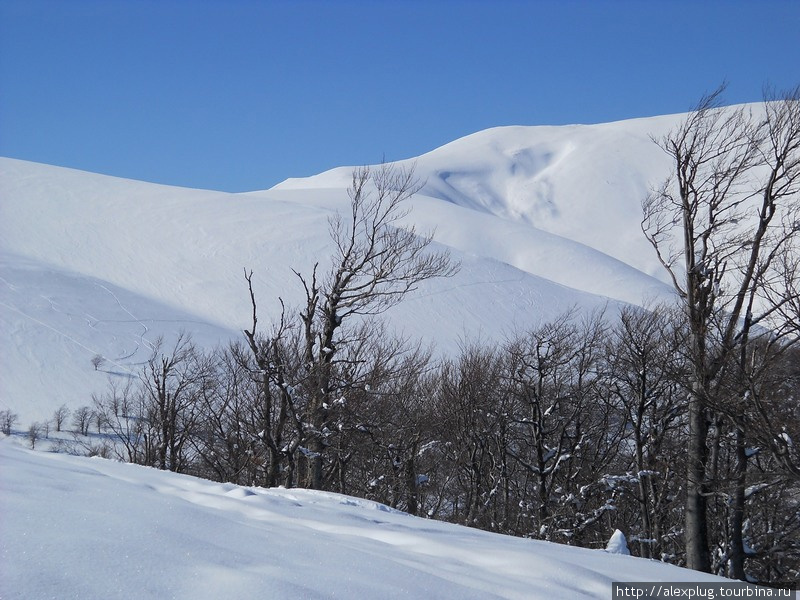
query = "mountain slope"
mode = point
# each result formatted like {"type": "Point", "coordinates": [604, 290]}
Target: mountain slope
{"type": "Point", "coordinates": [541, 219]}
{"type": "Point", "coordinates": [581, 182]}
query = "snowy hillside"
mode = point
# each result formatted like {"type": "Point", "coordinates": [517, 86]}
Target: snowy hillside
{"type": "Point", "coordinates": [584, 183]}
{"type": "Point", "coordinates": [541, 219]}
{"type": "Point", "coordinates": [125, 531]}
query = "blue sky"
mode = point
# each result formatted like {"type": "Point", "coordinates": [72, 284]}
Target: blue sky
{"type": "Point", "coordinates": [238, 95]}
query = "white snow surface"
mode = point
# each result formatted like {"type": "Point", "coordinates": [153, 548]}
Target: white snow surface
{"type": "Point", "coordinates": [618, 544]}
{"type": "Point", "coordinates": [91, 529]}
{"type": "Point", "coordinates": [542, 219]}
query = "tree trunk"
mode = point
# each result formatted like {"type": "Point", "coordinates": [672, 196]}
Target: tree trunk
{"type": "Point", "coordinates": [736, 520]}
{"type": "Point", "coordinates": [315, 471]}
{"type": "Point", "coordinates": [696, 533]}
{"type": "Point", "coordinates": [412, 504]}
{"type": "Point", "coordinates": [645, 546]}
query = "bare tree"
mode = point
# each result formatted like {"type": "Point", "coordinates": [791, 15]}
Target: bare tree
{"type": "Point", "coordinates": [8, 419]}
{"type": "Point", "coordinates": [120, 409]}
{"type": "Point", "coordinates": [376, 429]}
{"type": "Point", "coordinates": [646, 371]}
{"type": "Point", "coordinates": [82, 419]}
{"type": "Point", "coordinates": [277, 361]}
{"type": "Point", "coordinates": [60, 416]}
{"type": "Point", "coordinates": [97, 361]}
{"type": "Point", "coordinates": [173, 381]}
{"type": "Point", "coordinates": [472, 415]}
{"type": "Point", "coordinates": [718, 225]}
{"type": "Point", "coordinates": [564, 433]}
{"type": "Point", "coordinates": [375, 263]}
{"type": "Point", "coordinates": [35, 432]}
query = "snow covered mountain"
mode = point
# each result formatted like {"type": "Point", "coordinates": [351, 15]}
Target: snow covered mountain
{"type": "Point", "coordinates": [541, 218]}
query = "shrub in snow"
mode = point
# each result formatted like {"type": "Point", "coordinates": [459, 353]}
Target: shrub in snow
{"type": "Point", "coordinates": [97, 361]}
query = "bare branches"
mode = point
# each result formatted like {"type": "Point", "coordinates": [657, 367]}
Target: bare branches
{"type": "Point", "coordinates": [782, 152]}
{"type": "Point", "coordinates": [720, 222]}
{"type": "Point", "coordinates": [377, 260]}
{"type": "Point", "coordinates": [730, 208]}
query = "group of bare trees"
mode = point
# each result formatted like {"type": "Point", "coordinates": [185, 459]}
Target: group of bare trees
{"type": "Point", "coordinates": [573, 429]}
{"type": "Point", "coordinates": [676, 425]}
{"type": "Point", "coordinates": [726, 226]}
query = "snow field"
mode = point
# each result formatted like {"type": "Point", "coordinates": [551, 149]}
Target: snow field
{"type": "Point", "coordinates": [82, 528]}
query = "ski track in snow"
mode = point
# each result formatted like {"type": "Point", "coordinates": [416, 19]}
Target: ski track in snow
{"type": "Point", "coordinates": [144, 327]}
{"type": "Point", "coordinates": [47, 326]}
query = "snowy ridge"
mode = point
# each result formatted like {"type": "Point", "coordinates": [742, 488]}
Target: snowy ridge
{"type": "Point", "coordinates": [581, 182]}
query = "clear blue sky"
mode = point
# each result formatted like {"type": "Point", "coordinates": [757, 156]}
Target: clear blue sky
{"type": "Point", "coordinates": [240, 94]}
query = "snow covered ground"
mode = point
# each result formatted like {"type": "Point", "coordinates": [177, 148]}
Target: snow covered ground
{"type": "Point", "coordinates": [88, 528]}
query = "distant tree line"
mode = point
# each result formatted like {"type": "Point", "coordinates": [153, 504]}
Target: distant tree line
{"type": "Point", "coordinates": [676, 424]}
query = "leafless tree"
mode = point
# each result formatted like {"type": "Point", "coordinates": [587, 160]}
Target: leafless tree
{"type": "Point", "coordinates": [718, 226]}
{"type": "Point", "coordinates": [173, 382]}
{"type": "Point", "coordinates": [7, 420]}
{"type": "Point", "coordinates": [82, 419]}
{"type": "Point", "coordinates": [97, 361]}
{"type": "Point", "coordinates": [469, 407]}
{"type": "Point", "coordinates": [35, 432]}
{"type": "Point", "coordinates": [60, 416]}
{"type": "Point", "coordinates": [646, 371]}
{"type": "Point", "coordinates": [565, 436]}
{"type": "Point", "coordinates": [277, 357]}
{"type": "Point", "coordinates": [377, 423]}
{"type": "Point", "coordinates": [121, 411]}
{"type": "Point", "coordinates": [376, 262]}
